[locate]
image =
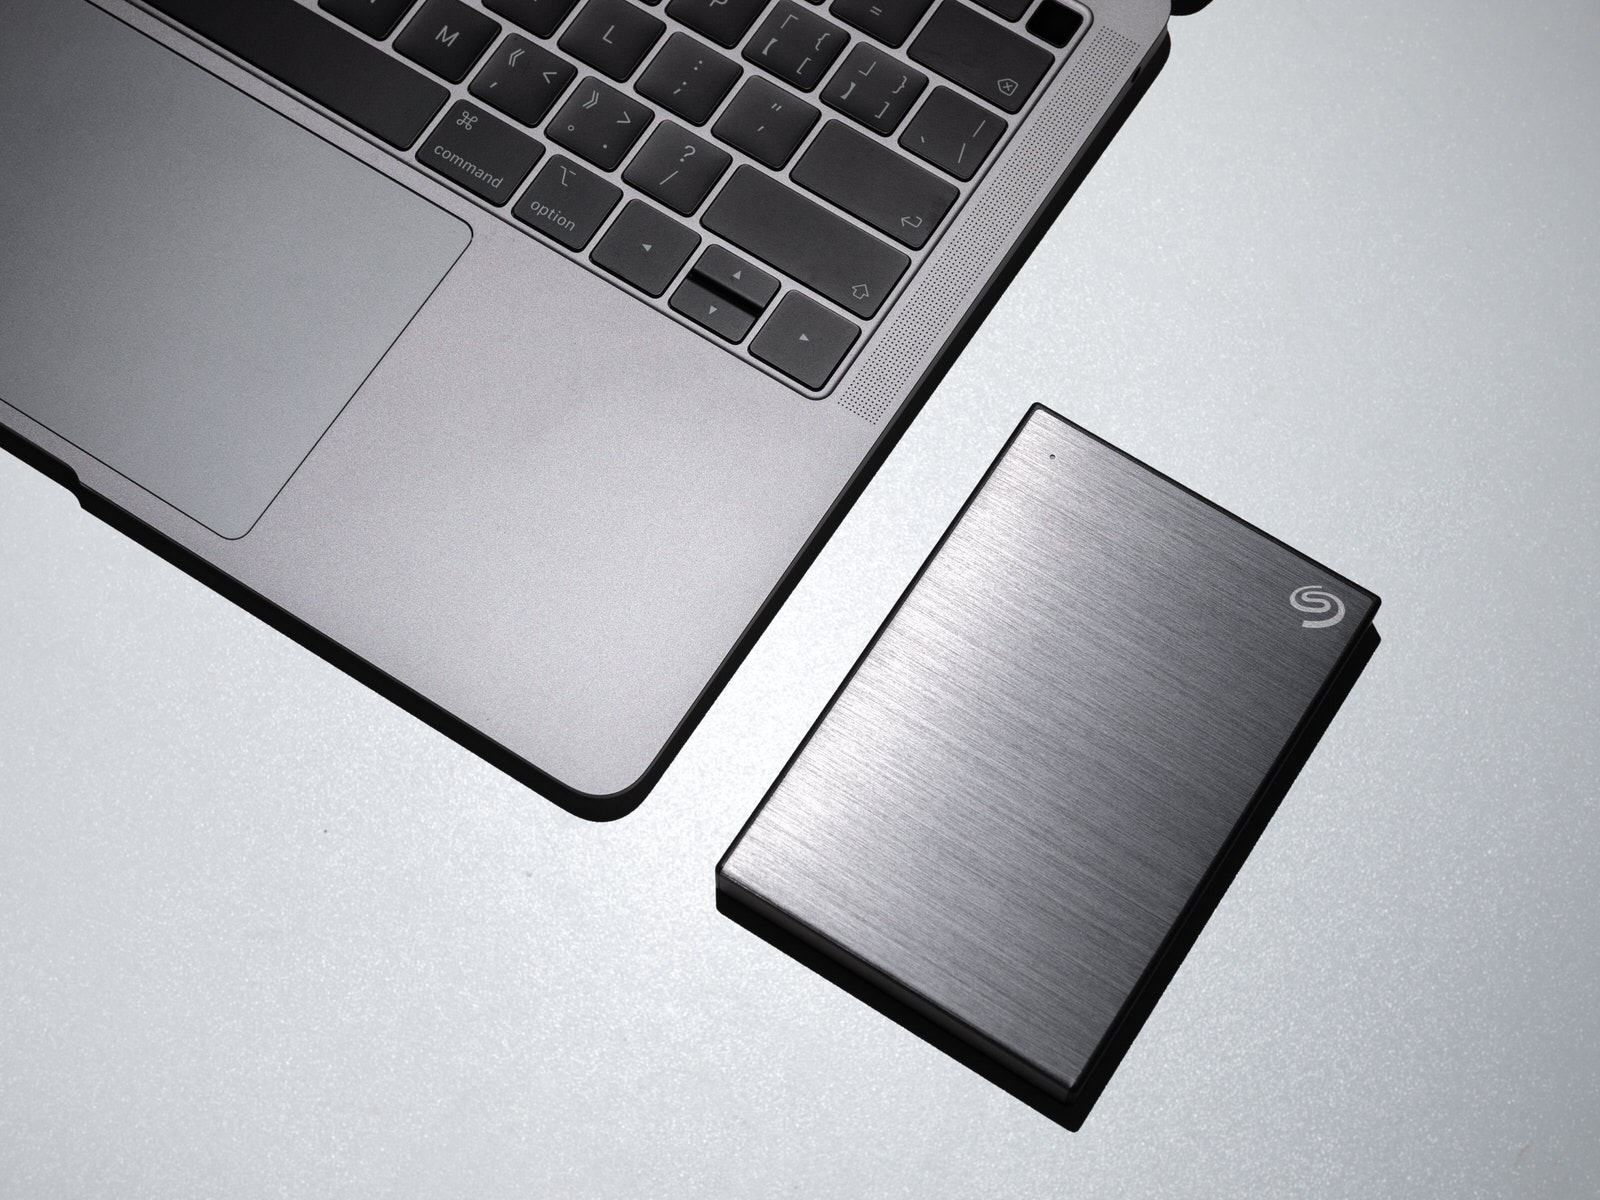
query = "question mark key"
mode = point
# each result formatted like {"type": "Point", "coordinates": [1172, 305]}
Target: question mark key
{"type": "Point", "coordinates": [677, 168]}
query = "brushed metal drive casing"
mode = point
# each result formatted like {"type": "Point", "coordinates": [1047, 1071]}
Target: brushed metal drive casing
{"type": "Point", "coordinates": [1010, 805]}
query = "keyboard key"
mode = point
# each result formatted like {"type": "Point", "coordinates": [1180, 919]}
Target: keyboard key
{"type": "Point", "coordinates": [539, 17]}
{"type": "Point", "coordinates": [1009, 9]}
{"type": "Point", "coordinates": [766, 122]}
{"type": "Point", "coordinates": [804, 340]}
{"type": "Point", "coordinates": [688, 79]}
{"type": "Point", "coordinates": [1055, 23]}
{"type": "Point", "coordinates": [889, 21]}
{"type": "Point", "coordinates": [612, 36]}
{"type": "Point", "coordinates": [375, 18]}
{"type": "Point", "coordinates": [874, 88]}
{"type": "Point", "coordinates": [712, 310]}
{"type": "Point", "coordinates": [447, 37]}
{"type": "Point", "coordinates": [985, 58]}
{"type": "Point", "coordinates": [483, 155]}
{"type": "Point", "coordinates": [731, 274]}
{"type": "Point", "coordinates": [723, 21]}
{"type": "Point", "coordinates": [600, 123]}
{"type": "Point", "coordinates": [872, 182]}
{"type": "Point", "coordinates": [522, 79]}
{"type": "Point", "coordinates": [804, 240]}
{"type": "Point", "coordinates": [318, 59]}
{"type": "Point", "coordinates": [645, 247]}
{"type": "Point", "coordinates": [796, 45]}
{"type": "Point", "coordinates": [566, 202]}
{"type": "Point", "coordinates": [677, 168]}
{"type": "Point", "coordinates": [953, 133]}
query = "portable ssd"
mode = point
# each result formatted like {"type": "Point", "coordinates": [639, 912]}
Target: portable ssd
{"type": "Point", "coordinates": [1010, 822]}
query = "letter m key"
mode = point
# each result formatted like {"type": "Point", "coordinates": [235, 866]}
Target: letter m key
{"type": "Point", "coordinates": [444, 35]}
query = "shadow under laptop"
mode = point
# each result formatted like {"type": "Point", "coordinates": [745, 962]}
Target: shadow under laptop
{"type": "Point", "coordinates": [1071, 1113]}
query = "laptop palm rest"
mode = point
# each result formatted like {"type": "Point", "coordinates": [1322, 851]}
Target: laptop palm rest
{"type": "Point", "coordinates": [191, 285]}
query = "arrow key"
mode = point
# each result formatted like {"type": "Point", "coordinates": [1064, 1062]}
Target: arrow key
{"type": "Point", "coordinates": [522, 80]}
{"type": "Point", "coordinates": [712, 310]}
{"type": "Point", "coordinates": [804, 340]}
{"type": "Point", "coordinates": [645, 247]}
{"type": "Point", "coordinates": [728, 272]}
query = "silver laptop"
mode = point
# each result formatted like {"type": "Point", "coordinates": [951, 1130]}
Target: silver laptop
{"type": "Point", "coordinates": [516, 355]}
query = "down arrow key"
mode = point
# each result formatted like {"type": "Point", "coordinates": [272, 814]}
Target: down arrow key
{"type": "Point", "coordinates": [709, 310]}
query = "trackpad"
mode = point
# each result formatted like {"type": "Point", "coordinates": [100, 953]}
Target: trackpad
{"type": "Point", "coordinates": [191, 285]}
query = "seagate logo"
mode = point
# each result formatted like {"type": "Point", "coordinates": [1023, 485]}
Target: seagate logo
{"type": "Point", "coordinates": [1319, 602]}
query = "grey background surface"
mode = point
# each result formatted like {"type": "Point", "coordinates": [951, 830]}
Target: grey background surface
{"type": "Point", "coordinates": [265, 935]}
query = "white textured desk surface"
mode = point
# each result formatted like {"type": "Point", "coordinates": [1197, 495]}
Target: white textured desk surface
{"type": "Point", "coordinates": [262, 934]}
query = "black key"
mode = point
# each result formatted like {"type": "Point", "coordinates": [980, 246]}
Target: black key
{"type": "Point", "coordinates": [688, 78]}
{"type": "Point", "coordinates": [612, 36]}
{"type": "Point", "coordinates": [483, 155]}
{"type": "Point", "coordinates": [953, 133]}
{"type": "Point", "coordinates": [1009, 9]}
{"type": "Point", "coordinates": [677, 168]}
{"type": "Point", "coordinates": [539, 17]}
{"type": "Point", "coordinates": [600, 123]}
{"type": "Point", "coordinates": [870, 181]}
{"type": "Point", "coordinates": [731, 274]}
{"type": "Point", "coordinates": [315, 57]}
{"type": "Point", "coordinates": [874, 88]}
{"type": "Point", "coordinates": [447, 37]}
{"type": "Point", "coordinates": [890, 21]}
{"type": "Point", "coordinates": [723, 21]}
{"type": "Point", "coordinates": [712, 310]}
{"type": "Point", "coordinates": [796, 45]}
{"type": "Point", "coordinates": [522, 80]}
{"type": "Point", "coordinates": [567, 202]}
{"type": "Point", "coordinates": [375, 18]}
{"type": "Point", "coordinates": [645, 247]}
{"type": "Point", "coordinates": [987, 59]}
{"type": "Point", "coordinates": [1055, 23]}
{"type": "Point", "coordinates": [802, 239]}
{"type": "Point", "coordinates": [766, 122]}
{"type": "Point", "coordinates": [804, 340]}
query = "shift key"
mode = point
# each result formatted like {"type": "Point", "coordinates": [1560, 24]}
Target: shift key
{"type": "Point", "coordinates": [806, 242]}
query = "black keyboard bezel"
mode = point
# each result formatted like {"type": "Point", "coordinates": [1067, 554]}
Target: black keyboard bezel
{"type": "Point", "coordinates": [919, 257]}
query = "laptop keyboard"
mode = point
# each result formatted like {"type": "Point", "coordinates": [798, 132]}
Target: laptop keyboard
{"type": "Point", "coordinates": [768, 170]}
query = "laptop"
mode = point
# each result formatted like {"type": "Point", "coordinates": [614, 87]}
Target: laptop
{"type": "Point", "coordinates": [517, 355]}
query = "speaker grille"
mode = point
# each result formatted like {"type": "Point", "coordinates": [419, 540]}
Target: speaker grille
{"type": "Point", "coordinates": [945, 286]}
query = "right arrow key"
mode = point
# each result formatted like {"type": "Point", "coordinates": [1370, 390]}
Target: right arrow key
{"type": "Point", "coordinates": [804, 340]}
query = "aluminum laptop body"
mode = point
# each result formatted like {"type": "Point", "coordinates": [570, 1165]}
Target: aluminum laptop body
{"type": "Point", "coordinates": [543, 496]}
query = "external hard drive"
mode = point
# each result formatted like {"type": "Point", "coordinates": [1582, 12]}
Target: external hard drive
{"type": "Point", "coordinates": [1009, 824]}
